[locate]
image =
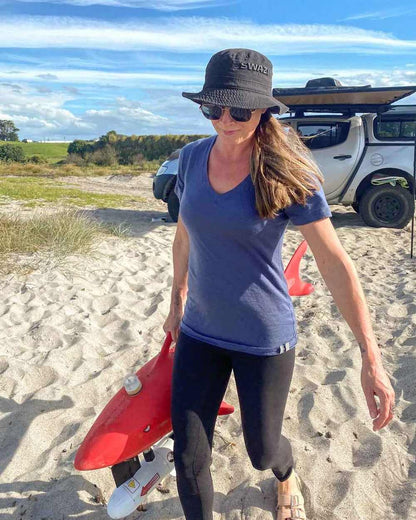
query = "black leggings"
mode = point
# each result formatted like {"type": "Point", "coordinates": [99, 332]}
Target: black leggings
{"type": "Point", "coordinates": [200, 376]}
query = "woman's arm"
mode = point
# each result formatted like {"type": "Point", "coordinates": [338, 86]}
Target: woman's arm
{"type": "Point", "coordinates": [180, 252]}
{"type": "Point", "coordinates": [340, 275]}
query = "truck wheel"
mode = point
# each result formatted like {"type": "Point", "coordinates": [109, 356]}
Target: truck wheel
{"type": "Point", "coordinates": [173, 205]}
{"type": "Point", "coordinates": [387, 206]}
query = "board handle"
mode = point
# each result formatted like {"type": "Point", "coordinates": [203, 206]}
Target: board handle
{"type": "Point", "coordinates": [165, 348]}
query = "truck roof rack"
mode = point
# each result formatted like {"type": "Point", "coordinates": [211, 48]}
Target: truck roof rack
{"type": "Point", "coordinates": [328, 95]}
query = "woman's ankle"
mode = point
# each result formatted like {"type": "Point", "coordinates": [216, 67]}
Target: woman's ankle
{"type": "Point", "coordinates": [288, 483]}
{"type": "Point", "coordinates": [288, 475]}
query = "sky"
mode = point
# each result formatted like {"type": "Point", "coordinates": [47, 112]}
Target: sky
{"type": "Point", "coordinates": [76, 69]}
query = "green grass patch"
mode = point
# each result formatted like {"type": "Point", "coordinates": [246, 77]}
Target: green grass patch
{"type": "Point", "coordinates": [26, 243]}
{"type": "Point", "coordinates": [35, 191]}
{"type": "Point", "coordinates": [66, 170]}
{"type": "Point", "coordinates": [52, 152]}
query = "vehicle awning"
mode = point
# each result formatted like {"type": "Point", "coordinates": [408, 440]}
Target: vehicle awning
{"type": "Point", "coordinates": [341, 99]}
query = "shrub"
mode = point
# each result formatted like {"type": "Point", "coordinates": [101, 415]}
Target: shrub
{"type": "Point", "coordinates": [105, 156]}
{"type": "Point", "coordinates": [80, 147]}
{"type": "Point", "coordinates": [30, 243]}
{"type": "Point", "coordinates": [37, 159]}
{"type": "Point", "coordinates": [12, 153]}
{"type": "Point", "coordinates": [73, 158]}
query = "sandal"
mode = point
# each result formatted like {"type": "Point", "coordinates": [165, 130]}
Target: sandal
{"type": "Point", "coordinates": [295, 504]}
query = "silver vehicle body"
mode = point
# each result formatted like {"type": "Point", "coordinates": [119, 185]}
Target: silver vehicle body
{"type": "Point", "coordinates": [355, 160]}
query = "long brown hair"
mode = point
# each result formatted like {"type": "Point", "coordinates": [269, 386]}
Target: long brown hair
{"type": "Point", "coordinates": [282, 167]}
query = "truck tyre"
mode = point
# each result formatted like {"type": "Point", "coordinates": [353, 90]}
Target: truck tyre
{"type": "Point", "coordinates": [355, 207]}
{"type": "Point", "coordinates": [387, 206]}
{"type": "Point", "coordinates": [173, 205]}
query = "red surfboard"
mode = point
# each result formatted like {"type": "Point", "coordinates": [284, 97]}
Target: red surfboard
{"type": "Point", "coordinates": [129, 425]}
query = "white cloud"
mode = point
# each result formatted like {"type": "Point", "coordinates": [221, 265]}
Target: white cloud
{"type": "Point", "coordinates": [382, 14]}
{"type": "Point", "coordinates": [160, 5]}
{"type": "Point", "coordinates": [42, 115]}
{"type": "Point", "coordinates": [179, 35]}
{"type": "Point", "coordinates": [82, 76]}
{"type": "Point", "coordinates": [128, 117]}
{"type": "Point", "coordinates": [178, 82]}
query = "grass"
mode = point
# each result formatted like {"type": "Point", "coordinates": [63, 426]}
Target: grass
{"type": "Point", "coordinates": [25, 243]}
{"type": "Point", "coordinates": [36, 191]}
{"type": "Point", "coordinates": [52, 152]}
{"type": "Point", "coordinates": [66, 170]}
{"type": "Point", "coordinates": [55, 152]}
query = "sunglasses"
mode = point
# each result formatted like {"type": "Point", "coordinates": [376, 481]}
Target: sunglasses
{"type": "Point", "coordinates": [214, 112]}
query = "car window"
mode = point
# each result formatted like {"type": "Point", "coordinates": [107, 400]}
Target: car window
{"type": "Point", "coordinates": [323, 135]}
{"type": "Point", "coordinates": [384, 130]}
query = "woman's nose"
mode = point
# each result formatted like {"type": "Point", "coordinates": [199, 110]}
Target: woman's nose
{"type": "Point", "coordinates": [225, 116]}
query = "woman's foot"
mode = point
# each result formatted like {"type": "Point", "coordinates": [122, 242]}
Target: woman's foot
{"type": "Point", "coordinates": [290, 503]}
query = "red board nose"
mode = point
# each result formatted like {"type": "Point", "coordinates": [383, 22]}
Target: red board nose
{"type": "Point", "coordinates": [100, 450]}
{"type": "Point", "coordinates": [128, 425]}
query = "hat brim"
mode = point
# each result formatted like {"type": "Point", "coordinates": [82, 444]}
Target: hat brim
{"type": "Point", "coordinates": [237, 98]}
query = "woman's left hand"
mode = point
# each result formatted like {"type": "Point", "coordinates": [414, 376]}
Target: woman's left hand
{"type": "Point", "coordinates": [375, 381]}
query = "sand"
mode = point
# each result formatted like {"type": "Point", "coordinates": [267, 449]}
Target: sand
{"type": "Point", "coordinates": [70, 334]}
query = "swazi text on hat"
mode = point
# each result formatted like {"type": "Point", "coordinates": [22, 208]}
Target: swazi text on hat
{"type": "Point", "coordinates": [255, 66]}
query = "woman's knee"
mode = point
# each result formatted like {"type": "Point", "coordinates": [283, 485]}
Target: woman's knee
{"type": "Point", "coordinates": [191, 460]}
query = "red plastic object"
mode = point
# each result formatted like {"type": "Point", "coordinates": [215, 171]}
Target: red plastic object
{"type": "Point", "coordinates": [297, 287]}
{"type": "Point", "coordinates": [128, 425]}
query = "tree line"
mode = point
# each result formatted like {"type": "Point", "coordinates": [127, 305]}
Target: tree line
{"type": "Point", "coordinates": [110, 149]}
{"type": "Point", "coordinates": [113, 148]}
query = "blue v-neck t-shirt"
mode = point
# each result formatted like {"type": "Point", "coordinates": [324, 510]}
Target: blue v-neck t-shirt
{"type": "Point", "coordinates": [237, 293]}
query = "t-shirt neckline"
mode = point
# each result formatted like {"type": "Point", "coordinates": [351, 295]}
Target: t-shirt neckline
{"type": "Point", "coordinates": [205, 172]}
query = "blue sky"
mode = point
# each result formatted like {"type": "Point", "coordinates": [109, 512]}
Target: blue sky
{"type": "Point", "coordinates": [79, 68]}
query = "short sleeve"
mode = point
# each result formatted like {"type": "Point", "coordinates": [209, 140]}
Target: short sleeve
{"type": "Point", "coordinates": [315, 208]}
{"type": "Point", "coordinates": [178, 189]}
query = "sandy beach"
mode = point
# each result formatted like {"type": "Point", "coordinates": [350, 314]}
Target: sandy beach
{"type": "Point", "coordinates": [70, 334]}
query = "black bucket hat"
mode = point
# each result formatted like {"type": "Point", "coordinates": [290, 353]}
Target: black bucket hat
{"type": "Point", "coordinates": [238, 78]}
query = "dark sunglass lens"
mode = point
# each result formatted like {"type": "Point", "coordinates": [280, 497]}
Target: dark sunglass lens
{"type": "Point", "coordinates": [211, 111]}
{"type": "Point", "coordinates": [240, 114]}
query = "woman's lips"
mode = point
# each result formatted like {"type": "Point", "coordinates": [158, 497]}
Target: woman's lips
{"type": "Point", "coordinates": [229, 132]}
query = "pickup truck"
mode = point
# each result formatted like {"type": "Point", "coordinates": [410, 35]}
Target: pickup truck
{"type": "Point", "coordinates": [364, 146]}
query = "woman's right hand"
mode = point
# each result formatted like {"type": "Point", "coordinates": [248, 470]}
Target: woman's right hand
{"type": "Point", "coordinates": [172, 324]}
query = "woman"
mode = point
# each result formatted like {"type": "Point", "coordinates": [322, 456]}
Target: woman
{"type": "Point", "coordinates": [238, 189]}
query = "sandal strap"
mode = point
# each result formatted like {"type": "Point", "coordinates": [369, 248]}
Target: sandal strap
{"type": "Point", "coordinates": [294, 514]}
{"type": "Point", "coordinates": [290, 500]}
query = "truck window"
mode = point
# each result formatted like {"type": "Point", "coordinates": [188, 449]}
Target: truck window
{"type": "Point", "coordinates": [385, 130]}
{"type": "Point", "coordinates": [323, 135]}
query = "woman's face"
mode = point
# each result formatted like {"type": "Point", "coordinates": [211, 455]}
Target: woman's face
{"type": "Point", "coordinates": [234, 131]}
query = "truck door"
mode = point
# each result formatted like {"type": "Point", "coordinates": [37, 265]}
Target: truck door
{"type": "Point", "coordinates": [336, 147]}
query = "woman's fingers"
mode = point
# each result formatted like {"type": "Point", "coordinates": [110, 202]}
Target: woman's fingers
{"type": "Point", "coordinates": [386, 405]}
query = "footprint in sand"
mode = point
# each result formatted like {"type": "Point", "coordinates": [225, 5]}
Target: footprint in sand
{"type": "Point", "coordinates": [334, 377]}
{"type": "Point", "coordinates": [397, 310]}
{"type": "Point", "coordinates": [409, 414]}
{"type": "Point", "coordinates": [368, 453]}
{"type": "Point", "coordinates": [337, 488]}
{"type": "Point", "coordinates": [154, 305]}
{"type": "Point", "coordinates": [104, 304]}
